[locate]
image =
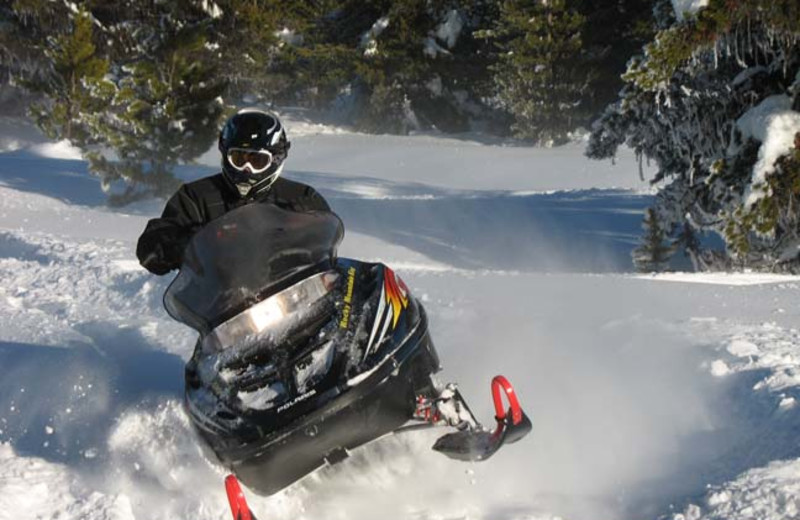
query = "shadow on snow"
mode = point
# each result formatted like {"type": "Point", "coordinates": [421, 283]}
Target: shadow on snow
{"type": "Point", "coordinates": [68, 180]}
{"type": "Point", "coordinates": [586, 231]}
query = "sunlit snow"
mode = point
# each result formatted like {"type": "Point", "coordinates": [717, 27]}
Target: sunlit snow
{"type": "Point", "coordinates": [687, 7]}
{"type": "Point", "coordinates": [774, 124]}
{"type": "Point", "coordinates": [652, 396]}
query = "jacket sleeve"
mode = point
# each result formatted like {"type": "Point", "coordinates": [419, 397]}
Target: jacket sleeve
{"type": "Point", "coordinates": [313, 201]}
{"type": "Point", "coordinates": [161, 245]}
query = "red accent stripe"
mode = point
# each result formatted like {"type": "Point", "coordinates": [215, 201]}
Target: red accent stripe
{"type": "Point", "coordinates": [236, 499]}
{"type": "Point", "coordinates": [396, 299]}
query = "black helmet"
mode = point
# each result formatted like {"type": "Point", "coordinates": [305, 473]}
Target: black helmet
{"type": "Point", "coordinates": [253, 146]}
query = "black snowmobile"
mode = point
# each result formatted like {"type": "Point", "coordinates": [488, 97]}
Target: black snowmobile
{"type": "Point", "coordinates": [303, 356]}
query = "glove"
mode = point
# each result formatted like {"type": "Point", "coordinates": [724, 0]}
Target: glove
{"type": "Point", "coordinates": [161, 251]}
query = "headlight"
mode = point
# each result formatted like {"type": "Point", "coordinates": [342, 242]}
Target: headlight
{"type": "Point", "coordinates": [269, 313]}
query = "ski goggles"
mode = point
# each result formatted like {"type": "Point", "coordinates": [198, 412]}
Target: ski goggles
{"type": "Point", "coordinates": [257, 160]}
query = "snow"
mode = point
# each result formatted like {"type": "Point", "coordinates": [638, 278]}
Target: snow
{"type": "Point", "coordinates": [652, 396]}
{"type": "Point", "coordinates": [435, 85]}
{"type": "Point", "coordinates": [743, 347]}
{"type": "Point", "coordinates": [687, 7]}
{"type": "Point", "coordinates": [16, 134]}
{"type": "Point", "coordinates": [369, 39]}
{"type": "Point", "coordinates": [774, 124]}
{"type": "Point", "coordinates": [262, 398]}
{"type": "Point", "coordinates": [37, 488]}
{"type": "Point", "coordinates": [318, 365]}
{"type": "Point", "coordinates": [450, 29]}
{"type": "Point", "coordinates": [719, 368]}
{"type": "Point", "coordinates": [212, 9]}
{"type": "Point", "coordinates": [744, 278]}
{"type": "Point", "coordinates": [303, 128]}
{"type": "Point", "coordinates": [447, 32]}
{"type": "Point", "coordinates": [432, 49]}
{"type": "Point", "coordinates": [289, 37]}
{"type": "Point", "coordinates": [433, 165]}
{"type": "Point", "coordinates": [769, 493]}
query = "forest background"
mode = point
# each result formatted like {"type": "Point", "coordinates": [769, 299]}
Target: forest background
{"type": "Point", "coordinates": [709, 90]}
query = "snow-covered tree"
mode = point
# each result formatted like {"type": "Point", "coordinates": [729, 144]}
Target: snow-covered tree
{"type": "Point", "coordinates": [410, 70]}
{"type": "Point", "coordinates": [713, 100]}
{"type": "Point", "coordinates": [167, 105]}
{"type": "Point", "coordinates": [51, 50]}
{"type": "Point", "coordinates": [767, 229]}
{"type": "Point", "coordinates": [76, 89]}
{"type": "Point", "coordinates": [21, 55]}
{"type": "Point", "coordinates": [395, 65]}
{"type": "Point", "coordinates": [255, 40]}
{"type": "Point", "coordinates": [141, 80]}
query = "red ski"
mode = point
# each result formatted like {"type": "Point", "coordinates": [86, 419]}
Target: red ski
{"type": "Point", "coordinates": [239, 508]}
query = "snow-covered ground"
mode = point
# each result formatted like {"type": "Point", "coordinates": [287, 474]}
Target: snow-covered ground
{"type": "Point", "coordinates": [671, 396]}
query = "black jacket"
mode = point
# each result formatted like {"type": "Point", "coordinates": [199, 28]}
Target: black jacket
{"type": "Point", "coordinates": [160, 248]}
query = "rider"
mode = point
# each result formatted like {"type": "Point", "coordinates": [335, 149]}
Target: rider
{"type": "Point", "coordinates": [254, 147]}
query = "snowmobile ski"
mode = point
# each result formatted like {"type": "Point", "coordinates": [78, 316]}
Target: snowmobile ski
{"type": "Point", "coordinates": [239, 508]}
{"type": "Point", "coordinates": [478, 443]}
{"type": "Point", "coordinates": [472, 441]}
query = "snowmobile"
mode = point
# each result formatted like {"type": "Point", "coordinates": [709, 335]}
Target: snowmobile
{"type": "Point", "coordinates": [303, 356]}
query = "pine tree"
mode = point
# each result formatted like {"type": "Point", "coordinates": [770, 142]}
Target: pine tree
{"type": "Point", "coordinates": [402, 64]}
{"type": "Point", "coordinates": [687, 241]}
{"type": "Point", "coordinates": [654, 252]}
{"type": "Point", "coordinates": [142, 80]}
{"type": "Point", "coordinates": [74, 86]}
{"type": "Point", "coordinates": [317, 58]}
{"type": "Point", "coordinates": [538, 76]}
{"type": "Point", "coordinates": [392, 68]}
{"type": "Point", "coordinates": [613, 33]}
{"type": "Point", "coordinates": [682, 106]}
{"type": "Point", "coordinates": [558, 63]}
{"type": "Point", "coordinates": [247, 36]}
{"type": "Point", "coordinates": [26, 25]}
{"type": "Point", "coordinates": [167, 106]}
{"type": "Point", "coordinates": [457, 95]}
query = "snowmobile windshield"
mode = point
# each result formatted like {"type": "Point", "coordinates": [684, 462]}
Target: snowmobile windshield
{"type": "Point", "coordinates": [246, 256]}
